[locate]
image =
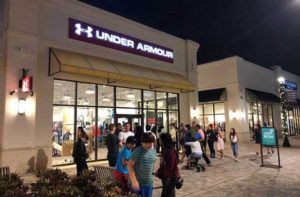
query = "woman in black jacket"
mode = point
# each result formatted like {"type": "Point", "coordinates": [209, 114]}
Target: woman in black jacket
{"type": "Point", "coordinates": [168, 170]}
{"type": "Point", "coordinates": [79, 151]}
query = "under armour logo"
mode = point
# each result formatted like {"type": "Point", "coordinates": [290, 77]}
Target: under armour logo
{"type": "Point", "coordinates": [80, 30]}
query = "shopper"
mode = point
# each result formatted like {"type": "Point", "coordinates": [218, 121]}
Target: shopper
{"type": "Point", "coordinates": [123, 135]}
{"type": "Point", "coordinates": [173, 135]}
{"type": "Point", "coordinates": [138, 135]}
{"type": "Point", "coordinates": [149, 130]}
{"type": "Point", "coordinates": [141, 167]}
{"type": "Point", "coordinates": [119, 129]}
{"type": "Point", "coordinates": [234, 143]}
{"type": "Point", "coordinates": [79, 151]}
{"type": "Point", "coordinates": [186, 137]}
{"type": "Point", "coordinates": [159, 132]}
{"type": "Point", "coordinates": [112, 144]}
{"type": "Point", "coordinates": [197, 152]}
{"type": "Point", "coordinates": [211, 137]}
{"type": "Point", "coordinates": [257, 132]}
{"type": "Point", "coordinates": [201, 138]}
{"type": "Point", "coordinates": [220, 143]}
{"type": "Point", "coordinates": [121, 171]}
{"type": "Point", "coordinates": [168, 170]}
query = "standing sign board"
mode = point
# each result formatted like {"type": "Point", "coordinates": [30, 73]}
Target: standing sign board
{"type": "Point", "coordinates": [269, 139]}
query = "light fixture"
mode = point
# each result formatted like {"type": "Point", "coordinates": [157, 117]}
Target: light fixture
{"type": "Point", "coordinates": [90, 90]}
{"type": "Point", "coordinates": [21, 106]}
{"type": "Point", "coordinates": [67, 96]}
{"type": "Point", "coordinates": [130, 94]}
{"type": "Point", "coordinates": [106, 99]}
{"type": "Point", "coordinates": [281, 80]}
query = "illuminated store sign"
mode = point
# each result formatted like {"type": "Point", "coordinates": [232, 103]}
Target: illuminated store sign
{"type": "Point", "coordinates": [290, 85]}
{"type": "Point", "coordinates": [85, 32]}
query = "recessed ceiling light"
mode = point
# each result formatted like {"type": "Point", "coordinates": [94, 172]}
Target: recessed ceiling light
{"type": "Point", "coordinates": [90, 90]}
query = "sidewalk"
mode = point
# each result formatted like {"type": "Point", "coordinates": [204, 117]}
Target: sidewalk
{"type": "Point", "coordinates": [229, 178]}
{"type": "Point", "coordinates": [246, 178]}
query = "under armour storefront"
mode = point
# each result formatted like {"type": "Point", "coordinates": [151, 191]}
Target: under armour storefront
{"type": "Point", "coordinates": [68, 64]}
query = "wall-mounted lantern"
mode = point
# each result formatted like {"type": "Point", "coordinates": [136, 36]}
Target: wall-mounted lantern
{"type": "Point", "coordinates": [21, 106]}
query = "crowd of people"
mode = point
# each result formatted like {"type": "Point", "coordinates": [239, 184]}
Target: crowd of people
{"type": "Point", "coordinates": [132, 153]}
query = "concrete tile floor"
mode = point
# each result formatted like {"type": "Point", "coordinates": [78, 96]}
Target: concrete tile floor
{"type": "Point", "coordinates": [244, 178]}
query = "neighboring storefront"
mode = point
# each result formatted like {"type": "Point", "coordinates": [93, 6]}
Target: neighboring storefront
{"type": "Point", "coordinates": [83, 71]}
{"type": "Point", "coordinates": [235, 93]}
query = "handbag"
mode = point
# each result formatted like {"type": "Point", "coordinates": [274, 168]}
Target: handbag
{"type": "Point", "coordinates": [179, 182]}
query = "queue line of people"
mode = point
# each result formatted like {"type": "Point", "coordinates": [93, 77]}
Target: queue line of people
{"type": "Point", "coordinates": [133, 154]}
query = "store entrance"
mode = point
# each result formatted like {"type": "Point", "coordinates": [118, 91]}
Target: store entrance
{"type": "Point", "coordinates": [131, 119]}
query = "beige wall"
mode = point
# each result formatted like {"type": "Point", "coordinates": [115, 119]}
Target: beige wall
{"type": "Point", "coordinates": [26, 140]}
{"type": "Point", "coordinates": [236, 74]}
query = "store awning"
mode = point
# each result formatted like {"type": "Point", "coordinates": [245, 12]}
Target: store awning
{"type": "Point", "coordinates": [76, 63]}
{"type": "Point", "coordinates": [212, 95]}
{"type": "Point", "coordinates": [256, 95]}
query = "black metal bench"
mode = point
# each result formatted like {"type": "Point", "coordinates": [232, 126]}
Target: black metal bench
{"type": "Point", "coordinates": [4, 171]}
{"type": "Point", "coordinates": [104, 174]}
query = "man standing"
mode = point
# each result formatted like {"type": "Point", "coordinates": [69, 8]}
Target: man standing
{"type": "Point", "coordinates": [148, 130]}
{"type": "Point", "coordinates": [123, 135]}
{"type": "Point", "coordinates": [112, 144]}
{"type": "Point", "coordinates": [119, 129]}
{"type": "Point", "coordinates": [140, 166]}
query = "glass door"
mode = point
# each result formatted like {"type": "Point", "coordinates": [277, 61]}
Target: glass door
{"type": "Point", "coordinates": [131, 119]}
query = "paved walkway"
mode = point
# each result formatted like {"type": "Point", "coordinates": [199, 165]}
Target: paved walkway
{"type": "Point", "coordinates": [244, 178]}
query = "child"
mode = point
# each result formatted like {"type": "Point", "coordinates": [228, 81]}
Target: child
{"type": "Point", "coordinates": [121, 171]}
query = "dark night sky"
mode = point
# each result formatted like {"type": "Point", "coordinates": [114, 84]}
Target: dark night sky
{"type": "Point", "coordinates": [266, 32]}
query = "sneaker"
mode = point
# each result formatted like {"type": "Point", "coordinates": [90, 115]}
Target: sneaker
{"type": "Point", "coordinates": [235, 159]}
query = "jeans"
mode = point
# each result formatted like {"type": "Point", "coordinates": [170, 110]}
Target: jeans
{"type": "Point", "coordinates": [235, 149]}
{"type": "Point", "coordinates": [80, 166]}
{"type": "Point", "coordinates": [207, 161]}
{"type": "Point", "coordinates": [211, 148]}
{"type": "Point", "coordinates": [168, 187]}
{"type": "Point", "coordinates": [146, 191]}
{"type": "Point", "coordinates": [112, 159]}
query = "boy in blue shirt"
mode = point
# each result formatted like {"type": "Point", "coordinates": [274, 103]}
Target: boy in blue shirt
{"type": "Point", "coordinates": [121, 170]}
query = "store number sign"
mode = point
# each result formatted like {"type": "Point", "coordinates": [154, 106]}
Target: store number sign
{"type": "Point", "coordinates": [85, 32]}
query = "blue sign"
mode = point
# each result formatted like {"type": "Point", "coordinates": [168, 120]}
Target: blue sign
{"type": "Point", "coordinates": [290, 85]}
{"type": "Point", "coordinates": [268, 136]}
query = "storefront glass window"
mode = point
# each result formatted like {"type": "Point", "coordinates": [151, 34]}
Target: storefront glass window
{"type": "Point", "coordinates": [149, 117]}
{"type": "Point", "coordinates": [208, 109]}
{"type": "Point", "coordinates": [86, 119]}
{"type": "Point", "coordinates": [95, 108]}
{"type": "Point", "coordinates": [149, 100]}
{"type": "Point", "coordinates": [161, 99]}
{"type": "Point", "coordinates": [105, 95]}
{"type": "Point", "coordinates": [86, 94]}
{"type": "Point", "coordinates": [127, 97]}
{"type": "Point", "coordinates": [64, 92]}
{"type": "Point", "coordinates": [173, 118]}
{"type": "Point", "coordinates": [62, 134]}
{"type": "Point", "coordinates": [105, 117]}
{"type": "Point", "coordinates": [162, 119]}
{"type": "Point", "coordinates": [213, 113]}
{"type": "Point", "coordinates": [219, 108]}
{"type": "Point", "coordinates": [172, 101]}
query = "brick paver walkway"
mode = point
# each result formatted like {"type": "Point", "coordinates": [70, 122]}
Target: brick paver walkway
{"type": "Point", "coordinates": [244, 178]}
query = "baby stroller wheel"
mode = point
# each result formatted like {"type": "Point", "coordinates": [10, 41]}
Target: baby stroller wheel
{"type": "Point", "coordinates": [203, 168]}
{"type": "Point", "coordinates": [199, 168]}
